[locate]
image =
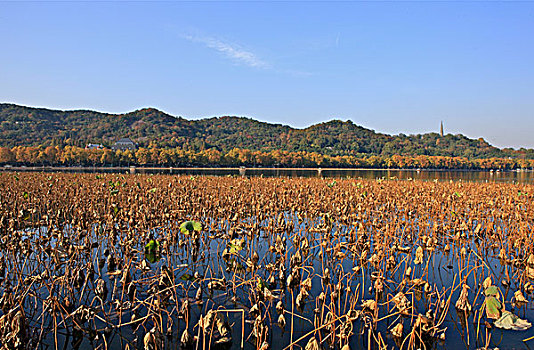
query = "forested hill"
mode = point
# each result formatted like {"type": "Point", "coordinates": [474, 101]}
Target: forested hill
{"type": "Point", "coordinates": [149, 127]}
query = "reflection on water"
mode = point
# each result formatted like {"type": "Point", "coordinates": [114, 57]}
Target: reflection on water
{"type": "Point", "coordinates": [439, 175]}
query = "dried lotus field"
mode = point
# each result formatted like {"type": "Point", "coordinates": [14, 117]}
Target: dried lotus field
{"type": "Point", "coordinates": [108, 261]}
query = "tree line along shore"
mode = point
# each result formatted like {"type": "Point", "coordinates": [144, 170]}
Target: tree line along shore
{"type": "Point", "coordinates": [176, 157]}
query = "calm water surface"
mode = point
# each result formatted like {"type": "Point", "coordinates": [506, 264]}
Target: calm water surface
{"type": "Point", "coordinates": [439, 175]}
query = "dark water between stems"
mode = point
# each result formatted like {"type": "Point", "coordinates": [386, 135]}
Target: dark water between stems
{"type": "Point", "coordinates": [441, 269]}
{"type": "Point", "coordinates": [439, 175]}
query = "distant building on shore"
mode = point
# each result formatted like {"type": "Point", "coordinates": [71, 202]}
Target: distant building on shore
{"type": "Point", "coordinates": [94, 146]}
{"type": "Point", "coordinates": [124, 144]}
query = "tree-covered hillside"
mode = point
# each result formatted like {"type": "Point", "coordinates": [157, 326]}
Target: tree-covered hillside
{"type": "Point", "coordinates": [151, 128]}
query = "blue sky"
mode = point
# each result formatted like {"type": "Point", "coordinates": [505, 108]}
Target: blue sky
{"type": "Point", "coordinates": [390, 66]}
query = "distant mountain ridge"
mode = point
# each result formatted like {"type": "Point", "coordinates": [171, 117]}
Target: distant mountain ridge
{"type": "Point", "coordinates": [149, 127]}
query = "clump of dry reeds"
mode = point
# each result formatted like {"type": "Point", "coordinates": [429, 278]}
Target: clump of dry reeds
{"type": "Point", "coordinates": [141, 260]}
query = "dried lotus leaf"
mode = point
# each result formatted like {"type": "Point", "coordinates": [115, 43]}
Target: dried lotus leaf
{"type": "Point", "coordinates": [418, 256]}
{"type": "Point", "coordinates": [519, 297]}
{"type": "Point", "coordinates": [397, 330]}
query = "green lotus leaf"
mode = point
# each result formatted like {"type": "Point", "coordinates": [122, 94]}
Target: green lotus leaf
{"type": "Point", "coordinates": [235, 245]}
{"type": "Point", "coordinates": [493, 308]}
{"type": "Point", "coordinates": [152, 246]}
{"type": "Point", "coordinates": [261, 285]}
{"type": "Point", "coordinates": [491, 291]}
{"type": "Point", "coordinates": [190, 226]}
{"type": "Point", "coordinates": [152, 257]}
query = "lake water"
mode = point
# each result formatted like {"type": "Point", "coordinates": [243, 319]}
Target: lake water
{"type": "Point", "coordinates": [439, 175]}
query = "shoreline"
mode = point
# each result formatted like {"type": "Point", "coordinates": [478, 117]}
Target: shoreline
{"type": "Point", "coordinates": [239, 169]}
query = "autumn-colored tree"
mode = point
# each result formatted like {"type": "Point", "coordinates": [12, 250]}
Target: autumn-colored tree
{"type": "Point", "coordinates": [73, 155]}
{"type": "Point", "coordinates": [50, 154]}
{"type": "Point", "coordinates": [6, 155]}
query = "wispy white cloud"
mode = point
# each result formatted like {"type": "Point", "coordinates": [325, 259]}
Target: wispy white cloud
{"type": "Point", "coordinates": [232, 51]}
{"type": "Point", "coordinates": [298, 73]}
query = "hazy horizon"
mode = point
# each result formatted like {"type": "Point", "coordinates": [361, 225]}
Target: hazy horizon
{"type": "Point", "coordinates": [393, 67]}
